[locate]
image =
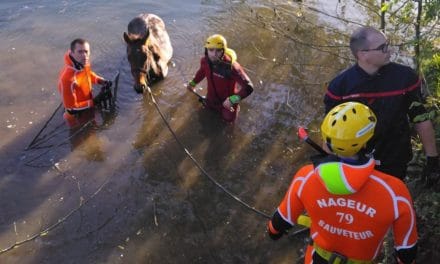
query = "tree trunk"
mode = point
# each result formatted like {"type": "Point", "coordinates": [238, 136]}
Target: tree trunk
{"type": "Point", "coordinates": [382, 17]}
{"type": "Point", "coordinates": [417, 45]}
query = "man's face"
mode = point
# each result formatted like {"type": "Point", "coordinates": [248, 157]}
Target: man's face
{"type": "Point", "coordinates": [214, 55]}
{"type": "Point", "coordinates": [378, 52]}
{"type": "Point", "coordinates": [81, 53]}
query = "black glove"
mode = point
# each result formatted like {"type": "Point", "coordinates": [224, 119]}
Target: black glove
{"type": "Point", "coordinates": [275, 236]}
{"type": "Point", "coordinates": [105, 82]}
{"type": "Point", "coordinates": [431, 172]}
{"type": "Point", "coordinates": [406, 256]}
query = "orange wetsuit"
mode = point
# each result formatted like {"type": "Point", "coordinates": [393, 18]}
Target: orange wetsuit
{"type": "Point", "coordinates": [351, 209]}
{"type": "Point", "coordinates": [75, 85]}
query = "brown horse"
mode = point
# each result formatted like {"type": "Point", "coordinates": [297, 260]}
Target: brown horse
{"type": "Point", "coordinates": [149, 50]}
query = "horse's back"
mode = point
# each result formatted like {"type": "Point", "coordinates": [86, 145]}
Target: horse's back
{"type": "Point", "coordinates": [140, 25]}
{"type": "Point", "coordinates": [159, 35]}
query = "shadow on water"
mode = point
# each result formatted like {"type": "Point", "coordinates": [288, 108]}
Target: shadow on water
{"type": "Point", "coordinates": [40, 185]}
{"type": "Point", "coordinates": [157, 207]}
{"type": "Point", "coordinates": [209, 226]}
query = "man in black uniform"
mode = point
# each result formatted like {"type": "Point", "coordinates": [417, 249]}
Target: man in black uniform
{"type": "Point", "coordinates": [393, 92]}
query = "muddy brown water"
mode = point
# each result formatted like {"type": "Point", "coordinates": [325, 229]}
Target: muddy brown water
{"type": "Point", "coordinates": [156, 206]}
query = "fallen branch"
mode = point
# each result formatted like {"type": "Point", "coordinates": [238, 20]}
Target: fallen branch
{"type": "Point", "coordinates": [60, 221]}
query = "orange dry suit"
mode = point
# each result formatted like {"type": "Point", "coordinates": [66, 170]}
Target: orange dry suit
{"type": "Point", "coordinates": [75, 85]}
{"type": "Point", "coordinates": [351, 206]}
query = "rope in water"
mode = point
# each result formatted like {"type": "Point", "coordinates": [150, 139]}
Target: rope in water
{"type": "Point", "coordinates": [45, 125]}
{"type": "Point", "coordinates": [198, 164]}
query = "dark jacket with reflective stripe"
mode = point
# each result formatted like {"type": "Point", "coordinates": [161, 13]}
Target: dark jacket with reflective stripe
{"type": "Point", "coordinates": [390, 93]}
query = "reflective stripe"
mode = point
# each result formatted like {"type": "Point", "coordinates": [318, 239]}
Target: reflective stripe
{"type": "Point", "coordinates": [79, 108]}
{"type": "Point", "coordinates": [390, 191]}
{"type": "Point", "coordinates": [396, 199]}
{"type": "Point", "coordinates": [412, 225]}
{"type": "Point", "coordinates": [375, 95]}
{"type": "Point", "coordinates": [289, 206]}
{"type": "Point", "coordinates": [303, 182]}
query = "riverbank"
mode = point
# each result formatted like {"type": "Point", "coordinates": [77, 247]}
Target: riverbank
{"type": "Point", "coordinates": [427, 206]}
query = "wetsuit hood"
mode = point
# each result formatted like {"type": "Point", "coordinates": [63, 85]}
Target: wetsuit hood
{"type": "Point", "coordinates": [342, 178]}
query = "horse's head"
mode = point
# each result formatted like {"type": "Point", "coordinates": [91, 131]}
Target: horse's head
{"type": "Point", "coordinates": [138, 57]}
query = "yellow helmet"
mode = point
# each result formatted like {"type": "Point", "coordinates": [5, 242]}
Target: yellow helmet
{"type": "Point", "coordinates": [231, 53]}
{"type": "Point", "coordinates": [348, 127]}
{"type": "Point", "coordinates": [216, 41]}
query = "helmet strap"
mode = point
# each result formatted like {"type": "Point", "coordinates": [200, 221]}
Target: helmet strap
{"type": "Point", "coordinates": [369, 154]}
{"type": "Point", "coordinates": [351, 160]}
{"type": "Point", "coordinates": [329, 146]}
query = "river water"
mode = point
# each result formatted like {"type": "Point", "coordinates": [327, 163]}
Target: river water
{"type": "Point", "coordinates": [151, 203]}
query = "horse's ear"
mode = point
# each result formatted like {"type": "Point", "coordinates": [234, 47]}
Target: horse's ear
{"type": "Point", "coordinates": [127, 38]}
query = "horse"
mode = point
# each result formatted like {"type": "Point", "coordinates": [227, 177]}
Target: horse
{"type": "Point", "coordinates": [149, 50]}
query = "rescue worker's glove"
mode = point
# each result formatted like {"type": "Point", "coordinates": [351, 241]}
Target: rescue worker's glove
{"type": "Point", "coordinates": [105, 82]}
{"type": "Point", "coordinates": [234, 99]}
{"type": "Point", "coordinates": [277, 226]}
{"type": "Point", "coordinates": [406, 256]}
{"type": "Point", "coordinates": [431, 172]}
{"type": "Point", "coordinates": [191, 84]}
{"type": "Point", "coordinates": [273, 234]}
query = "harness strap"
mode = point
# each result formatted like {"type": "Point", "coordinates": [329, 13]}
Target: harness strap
{"type": "Point", "coordinates": [211, 69]}
{"type": "Point", "coordinates": [375, 95]}
{"type": "Point", "coordinates": [336, 258]}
